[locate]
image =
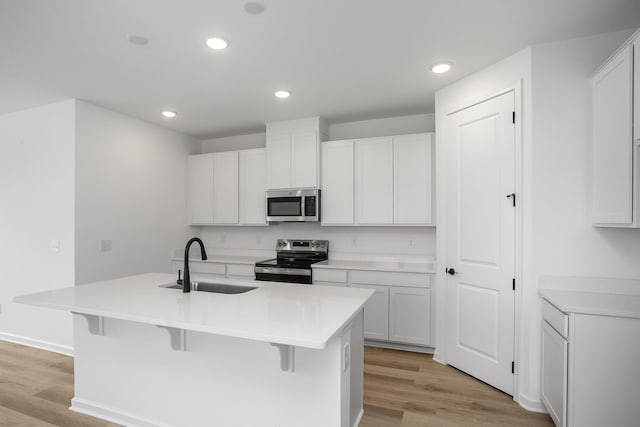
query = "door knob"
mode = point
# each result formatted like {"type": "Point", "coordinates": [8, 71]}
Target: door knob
{"type": "Point", "coordinates": [451, 271]}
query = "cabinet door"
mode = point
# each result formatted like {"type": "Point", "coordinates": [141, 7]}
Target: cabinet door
{"type": "Point", "coordinates": [304, 160]}
{"type": "Point", "coordinates": [376, 313]}
{"type": "Point", "coordinates": [279, 161]}
{"type": "Point", "coordinates": [409, 315]}
{"type": "Point", "coordinates": [612, 142]}
{"type": "Point", "coordinates": [253, 185]}
{"type": "Point", "coordinates": [554, 374]}
{"type": "Point", "coordinates": [374, 181]}
{"type": "Point", "coordinates": [200, 191]}
{"type": "Point", "coordinates": [337, 183]}
{"type": "Point", "coordinates": [225, 188]}
{"type": "Point", "coordinates": [412, 179]}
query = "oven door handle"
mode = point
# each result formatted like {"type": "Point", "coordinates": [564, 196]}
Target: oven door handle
{"type": "Point", "coordinates": [288, 271]}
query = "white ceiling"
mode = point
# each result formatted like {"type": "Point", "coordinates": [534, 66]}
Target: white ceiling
{"type": "Point", "coordinates": [341, 59]}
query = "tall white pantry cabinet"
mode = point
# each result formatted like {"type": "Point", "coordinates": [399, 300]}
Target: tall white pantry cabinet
{"type": "Point", "coordinates": [616, 139]}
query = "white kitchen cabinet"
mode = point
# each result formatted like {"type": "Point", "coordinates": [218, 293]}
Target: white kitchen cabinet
{"type": "Point", "coordinates": [636, 90]}
{"type": "Point", "coordinates": [374, 181]}
{"type": "Point", "coordinates": [409, 315]}
{"type": "Point", "coordinates": [225, 188]}
{"type": "Point", "coordinates": [590, 353]}
{"type": "Point", "coordinates": [293, 153]}
{"type": "Point", "coordinates": [253, 176]}
{"type": "Point", "coordinates": [337, 183]}
{"type": "Point", "coordinates": [615, 175]}
{"type": "Point", "coordinates": [376, 312]}
{"type": "Point", "coordinates": [327, 277]}
{"type": "Point", "coordinates": [412, 179]}
{"type": "Point", "coordinates": [200, 192]}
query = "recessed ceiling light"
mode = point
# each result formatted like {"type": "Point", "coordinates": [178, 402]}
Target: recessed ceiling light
{"type": "Point", "coordinates": [442, 67]}
{"type": "Point", "coordinates": [282, 94]}
{"type": "Point", "coordinates": [137, 40]}
{"type": "Point", "coordinates": [169, 114]}
{"type": "Point", "coordinates": [216, 43]}
{"type": "Point", "coordinates": [253, 7]}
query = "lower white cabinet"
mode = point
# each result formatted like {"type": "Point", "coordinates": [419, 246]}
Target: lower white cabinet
{"type": "Point", "coordinates": [400, 309]}
{"type": "Point", "coordinates": [376, 313]}
{"type": "Point", "coordinates": [409, 315]}
{"type": "Point", "coordinates": [590, 369]}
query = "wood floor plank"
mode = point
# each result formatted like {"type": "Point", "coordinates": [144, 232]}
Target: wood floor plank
{"type": "Point", "coordinates": [401, 389]}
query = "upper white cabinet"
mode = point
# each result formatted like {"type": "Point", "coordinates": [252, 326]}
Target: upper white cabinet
{"type": "Point", "coordinates": [293, 153]}
{"type": "Point", "coordinates": [378, 181]}
{"type": "Point", "coordinates": [253, 184]}
{"type": "Point", "coordinates": [337, 183]}
{"type": "Point", "coordinates": [227, 188]}
{"type": "Point", "coordinates": [374, 181]}
{"type": "Point", "coordinates": [615, 175]}
{"type": "Point", "coordinates": [412, 179]}
{"type": "Point", "coordinates": [200, 193]}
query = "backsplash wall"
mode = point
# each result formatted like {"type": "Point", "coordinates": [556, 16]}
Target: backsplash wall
{"type": "Point", "coordinates": [380, 243]}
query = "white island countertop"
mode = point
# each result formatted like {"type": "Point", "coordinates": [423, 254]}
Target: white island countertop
{"type": "Point", "coordinates": [597, 303]}
{"type": "Point", "coordinates": [298, 315]}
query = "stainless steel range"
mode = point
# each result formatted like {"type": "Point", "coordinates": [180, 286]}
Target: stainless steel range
{"type": "Point", "coordinates": [293, 261]}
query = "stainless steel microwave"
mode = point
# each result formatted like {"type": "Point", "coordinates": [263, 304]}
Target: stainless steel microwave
{"type": "Point", "coordinates": [293, 205]}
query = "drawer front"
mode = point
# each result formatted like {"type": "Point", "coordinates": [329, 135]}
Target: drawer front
{"type": "Point", "coordinates": [326, 275]}
{"type": "Point", "coordinates": [207, 267]}
{"type": "Point", "coordinates": [556, 318]}
{"type": "Point", "coordinates": [243, 270]}
{"type": "Point", "coordinates": [414, 280]}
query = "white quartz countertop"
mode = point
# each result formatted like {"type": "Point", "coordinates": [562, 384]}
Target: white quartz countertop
{"type": "Point", "coordinates": [399, 266]}
{"type": "Point", "coordinates": [598, 303]}
{"type": "Point", "coordinates": [299, 315]}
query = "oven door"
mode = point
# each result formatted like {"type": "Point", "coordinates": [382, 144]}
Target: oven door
{"type": "Point", "coordinates": [280, 274]}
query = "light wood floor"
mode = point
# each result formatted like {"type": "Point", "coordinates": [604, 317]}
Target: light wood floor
{"type": "Point", "coordinates": [401, 389]}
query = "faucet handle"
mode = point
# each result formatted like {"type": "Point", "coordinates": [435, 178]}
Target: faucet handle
{"type": "Point", "coordinates": [179, 281]}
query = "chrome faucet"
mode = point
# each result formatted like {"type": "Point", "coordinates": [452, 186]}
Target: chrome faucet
{"type": "Point", "coordinates": [186, 282]}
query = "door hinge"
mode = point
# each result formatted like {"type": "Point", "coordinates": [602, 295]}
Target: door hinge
{"type": "Point", "coordinates": [513, 367]}
{"type": "Point", "coordinates": [513, 117]}
{"type": "Point", "coordinates": [514, 284]}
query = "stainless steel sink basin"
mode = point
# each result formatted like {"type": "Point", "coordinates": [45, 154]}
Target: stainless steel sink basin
{"type": "Point", "coordinates": [218, 288]}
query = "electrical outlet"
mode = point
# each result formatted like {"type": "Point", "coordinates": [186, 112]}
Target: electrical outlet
{"type": "Point", "coordinates": [54, 245]}
{"type": "Point", "coordinates": [106, 245]}
{"type": "Point", "coordinates": [412, 243]}
{"type": "Point", "coordinates": [354, 242]}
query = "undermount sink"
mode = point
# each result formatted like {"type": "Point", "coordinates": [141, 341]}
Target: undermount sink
{"type": "Point", "coordinates": [218, 288]}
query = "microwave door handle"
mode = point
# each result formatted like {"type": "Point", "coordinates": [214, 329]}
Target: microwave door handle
{"type": "Point", "coordinates": [302, 202]}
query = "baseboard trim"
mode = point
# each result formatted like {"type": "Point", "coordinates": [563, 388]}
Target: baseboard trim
{"type": "Point", "coordinates": [393, 346]}
{"type": "Point", "coordinates": [97, 410]}
{"type": "Point", "coordinates": [42, 345]}
{"type": "Point", "coordinates": [532, 405]}
{"type": "Point", "coordinates": [437, 356]}
{"type": "Point", "coordinates": [359, 418]}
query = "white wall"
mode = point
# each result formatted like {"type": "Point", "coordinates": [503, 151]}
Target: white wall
{"type": "Point", "coordinates": [416, 123]}
{"type": "Point", "coordinates": [37, 199]}
{"type": "Point", "coordinates": [557, 238]}
{"type": "Point", "coordinates": [131, 180]}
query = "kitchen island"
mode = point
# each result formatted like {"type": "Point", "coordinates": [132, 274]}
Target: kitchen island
{"type": "Point", "coordinates": [281, 355]}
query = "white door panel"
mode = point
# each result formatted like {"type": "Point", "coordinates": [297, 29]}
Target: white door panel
{"type": "Point", "coordinates": [479, 144]}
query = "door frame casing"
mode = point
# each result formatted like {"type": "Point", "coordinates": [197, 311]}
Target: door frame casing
{"type": "Point", "coordinates": [441, 230]}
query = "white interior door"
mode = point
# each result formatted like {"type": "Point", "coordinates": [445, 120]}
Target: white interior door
{"type": "Point", "coordinates": [480, 157]}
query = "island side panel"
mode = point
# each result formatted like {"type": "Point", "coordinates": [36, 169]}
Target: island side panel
{"type": "Point", "coordinates": [356, 369]}
{"type": "Point", "coordinates": [132, 375]}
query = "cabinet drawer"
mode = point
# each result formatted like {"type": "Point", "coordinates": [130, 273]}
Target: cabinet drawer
{"type": "Point", "coordinates": [207, 267]}
{"type": "Point", "coordinates": [324, 275]}
{"type": "Point", "coordinates": [557, 319]}
{"type": "Point", "coordinates": [414, 280]}
{"type": "Point", "coordinates": [244, 270]}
